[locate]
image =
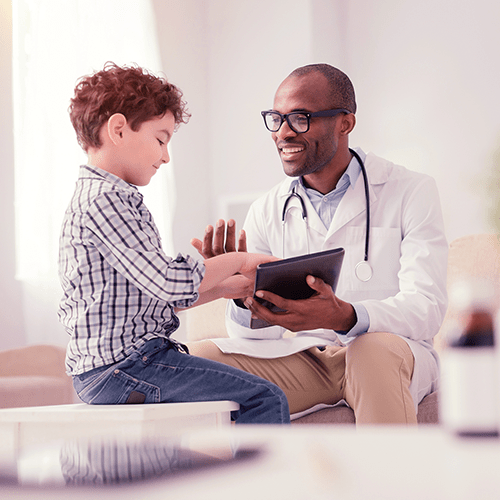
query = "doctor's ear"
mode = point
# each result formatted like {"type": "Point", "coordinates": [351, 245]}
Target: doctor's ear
{"type": "Point", "coordinates": [115, 128]}
{"type": "Point", "coordinates": [348, 123]}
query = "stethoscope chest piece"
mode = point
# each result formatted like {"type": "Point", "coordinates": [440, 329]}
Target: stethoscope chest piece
{"type": "Point", "coordinates": [363, 271]}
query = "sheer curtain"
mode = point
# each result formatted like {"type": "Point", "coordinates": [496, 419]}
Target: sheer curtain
{"type": "Point", "coordinates": [55, 43]}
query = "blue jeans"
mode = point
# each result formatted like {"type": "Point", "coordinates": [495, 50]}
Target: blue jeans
{"type": "Point", "coordinates": [158, 373]}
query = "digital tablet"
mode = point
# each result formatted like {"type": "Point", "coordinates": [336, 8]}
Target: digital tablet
{"type": "Point", "coordinates": [287, 277]}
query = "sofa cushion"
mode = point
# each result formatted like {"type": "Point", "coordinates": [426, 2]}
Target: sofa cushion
{"type": "Point", "coordinates": [342, 414]}
{"type": "Point", "coordinates": [33, 390]}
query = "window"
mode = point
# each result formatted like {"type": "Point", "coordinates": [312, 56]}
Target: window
{"type": "Point", "coordinates": [54, 44]}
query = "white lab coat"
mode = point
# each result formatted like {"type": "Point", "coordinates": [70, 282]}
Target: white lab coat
{"type": "Point", "coordinates": [408, 254]}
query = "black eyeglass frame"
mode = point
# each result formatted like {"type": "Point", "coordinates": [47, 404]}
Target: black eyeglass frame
{"type": "Point", "coordinates": [307, 114]}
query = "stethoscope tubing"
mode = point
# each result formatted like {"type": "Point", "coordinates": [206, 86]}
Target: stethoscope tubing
{"type": "Point", "coordinates": [367, 198]}
{"type": "Point", "coordinates": [363, 270]}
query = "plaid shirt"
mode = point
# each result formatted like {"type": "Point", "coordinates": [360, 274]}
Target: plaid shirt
{"type": "Point", "coordinates": [119, 286]}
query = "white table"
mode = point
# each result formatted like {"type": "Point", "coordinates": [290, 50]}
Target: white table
{"type": "Point", "coordinates": [325, 462]}
{"type": "Point", "coordinates": [41, 424]}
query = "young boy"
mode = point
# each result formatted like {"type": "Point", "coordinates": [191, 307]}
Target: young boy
{"type": "Point", "coordinates": [120, 289]}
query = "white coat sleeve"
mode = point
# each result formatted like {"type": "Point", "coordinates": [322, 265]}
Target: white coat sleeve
{"type": "Point", "coordinates": [416, 312]}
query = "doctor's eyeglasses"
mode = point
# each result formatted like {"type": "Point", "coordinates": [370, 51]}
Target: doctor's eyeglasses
{"type": "Point", "coordinates": [298, 121]}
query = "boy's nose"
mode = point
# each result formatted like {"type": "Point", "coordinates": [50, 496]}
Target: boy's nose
{"type": "Point", "coordinates": [165, 157]}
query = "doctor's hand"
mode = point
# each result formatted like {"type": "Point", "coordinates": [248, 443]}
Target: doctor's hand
{"type": "Point", "coordinates": [215, 244]}
{"type": "Point", "coordinates": [323, 310]}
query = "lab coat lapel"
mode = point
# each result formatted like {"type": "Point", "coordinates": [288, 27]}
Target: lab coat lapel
{"type": "Point", "coordinates": [353, 202]}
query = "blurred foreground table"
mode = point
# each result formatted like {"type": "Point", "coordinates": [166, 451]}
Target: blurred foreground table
{"type": "Point", "coordinates": [261, 462]}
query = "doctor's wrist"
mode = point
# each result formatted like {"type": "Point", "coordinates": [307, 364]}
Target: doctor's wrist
{"type": "Point", "coordinates": [347, 319]}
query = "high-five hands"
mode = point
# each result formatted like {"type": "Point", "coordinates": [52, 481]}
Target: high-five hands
{"type": "Point", "coordinates": [220, 241]}
{"type": "Point", "coordinates": [323, 310]}
{"type": "Point", "coordinates": [216, 242]}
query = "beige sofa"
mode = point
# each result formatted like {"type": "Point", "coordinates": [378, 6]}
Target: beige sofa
{"type": "Point", "coordinates": [476, 256]}
{"type": "Point", "coordinates": [34, 376]}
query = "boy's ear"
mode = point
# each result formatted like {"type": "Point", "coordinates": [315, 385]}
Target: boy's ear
{"type": "Point", "coordinates": [115, 128]}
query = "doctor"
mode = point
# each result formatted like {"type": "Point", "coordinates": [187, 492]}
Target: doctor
{"type": "Point", "coordinates": [371, 343]}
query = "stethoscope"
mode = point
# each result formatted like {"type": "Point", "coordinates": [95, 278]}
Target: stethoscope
{"type": "Point", "coordinates": [363, 270]}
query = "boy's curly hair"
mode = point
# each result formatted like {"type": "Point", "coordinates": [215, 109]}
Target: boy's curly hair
{"type": "Point", "coordinates": [129, 90]}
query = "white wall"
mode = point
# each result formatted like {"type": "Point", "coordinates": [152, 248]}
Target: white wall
{"type": "Point", "coordinates": [426, 75]}
{"type": "Point", "coordinates": [228, 57]}
{"type": "Point", "coordinates": [428, 80]}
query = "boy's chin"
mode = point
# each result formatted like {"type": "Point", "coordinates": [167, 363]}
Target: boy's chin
{"type": "Point", "coordinates": [142, 183]}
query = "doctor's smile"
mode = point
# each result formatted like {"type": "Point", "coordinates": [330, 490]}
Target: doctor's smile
{"type": "Point", "coordinates": [290, 150]}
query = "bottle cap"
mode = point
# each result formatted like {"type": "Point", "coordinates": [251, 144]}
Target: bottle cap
{"type": "Point", "coordinates": [474, 301]}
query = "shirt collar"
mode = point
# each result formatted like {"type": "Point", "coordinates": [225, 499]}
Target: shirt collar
{"type": "Point", "coordinates": [113, 179]}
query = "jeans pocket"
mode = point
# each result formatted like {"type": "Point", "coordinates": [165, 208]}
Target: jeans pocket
{"type": "Point", "coordinates": [117, 388]}
{"type": "Point", "coordinates": [86, 382]}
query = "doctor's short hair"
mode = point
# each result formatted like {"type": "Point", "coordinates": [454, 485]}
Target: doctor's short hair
{"type": "Point", "coordinates": [130, 90]}
{"type": "Point", "coordinates": [342, 90]}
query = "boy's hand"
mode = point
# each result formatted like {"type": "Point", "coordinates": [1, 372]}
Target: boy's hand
{"type": "Point", "coordinates": [252, 260]}
{"type": "Point", "coordinates": [213, 244]}
{"type": "Point", "coordinates": [236, 287]}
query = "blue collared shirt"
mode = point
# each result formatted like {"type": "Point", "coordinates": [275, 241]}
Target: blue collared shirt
{"type": "Point", "coordinates": [326, 206]}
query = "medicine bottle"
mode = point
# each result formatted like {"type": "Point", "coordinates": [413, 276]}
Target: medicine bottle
{"type": "Point", "coordinates": [470, 374]}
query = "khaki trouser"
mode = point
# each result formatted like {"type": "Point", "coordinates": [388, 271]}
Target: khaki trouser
{"type": "Point", "coordinates": [373, 374]}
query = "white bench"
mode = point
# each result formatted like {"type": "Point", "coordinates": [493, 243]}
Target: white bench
{"type": "Point", "coordinates": [41, 424]}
